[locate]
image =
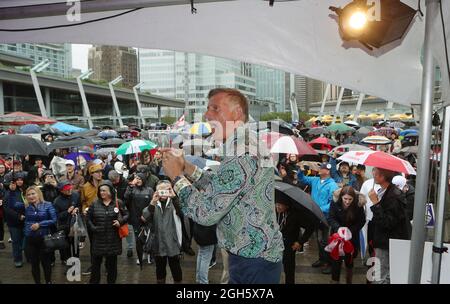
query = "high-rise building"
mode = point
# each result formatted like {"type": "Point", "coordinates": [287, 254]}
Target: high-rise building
{"type": "Point", "coordinates": [59, 55]}
{"type": "Point", "coordinates": [270, 86]}
{"type": "Point", "coordinates": [190, 77]}
{"type": "Point", "coordinates": [306, 91]}
{"type": "Point", "coordinates": [109, 62]}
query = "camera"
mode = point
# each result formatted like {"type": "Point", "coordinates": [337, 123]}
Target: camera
{"type": "Point", "coordinates": [163, 192]}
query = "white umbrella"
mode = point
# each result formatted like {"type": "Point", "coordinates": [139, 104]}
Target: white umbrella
{"type": "Point", "coordinates": [351, 123]}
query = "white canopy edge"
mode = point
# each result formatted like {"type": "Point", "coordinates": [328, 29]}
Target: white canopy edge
{"type": "Point", "coordinates": [299, 37]}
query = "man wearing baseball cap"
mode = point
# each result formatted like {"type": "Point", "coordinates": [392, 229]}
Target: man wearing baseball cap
{"type": "Point", "coordinates": [66, 205]}
{"type": "Point", "coordinates": [322, 189]}
{"type": "Point", "coordinates": [72, 176]}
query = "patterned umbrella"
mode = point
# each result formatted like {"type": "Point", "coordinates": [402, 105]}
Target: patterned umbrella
{"type": "Point", "coordinates": [376, 140]}
{"type": "Point", "coordinates": [318, 131]}
{"type": "Point", "coordinates": [135, 146]}
{"type": "Point", "coordinates": [351, 147]}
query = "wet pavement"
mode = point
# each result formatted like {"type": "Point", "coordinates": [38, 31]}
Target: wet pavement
{"type": "Point", "coordinates": [130, 273]}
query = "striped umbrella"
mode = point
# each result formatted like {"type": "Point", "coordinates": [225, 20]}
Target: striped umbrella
{"type": "Point", "coordinates": [135, 146]}
{"type": "Point", "coordinates": [376, 140]}
{"type": "Point", "coordinates": [200, 128]}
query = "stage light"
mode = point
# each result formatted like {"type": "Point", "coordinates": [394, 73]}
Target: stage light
{"type": "Point", "coordinates": [374, 23]}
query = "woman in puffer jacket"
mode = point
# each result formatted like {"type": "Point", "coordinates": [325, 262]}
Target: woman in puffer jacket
{"type": "Point", "coordinates": [346, 210]}
{"type": "Point", "coordinates": [40, 219]}
{"type": "Point", "coordinates": [104, 218]}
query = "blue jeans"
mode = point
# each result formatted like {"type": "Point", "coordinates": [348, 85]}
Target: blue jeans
{"type": "Point", "coordinates": [17, 237]}
{"type": "Point", "coordinates": [203, 259]}
{"type": "Point", "coordinates": [130, 238]}
{"type": "Point", "coordinates": [253, 271]}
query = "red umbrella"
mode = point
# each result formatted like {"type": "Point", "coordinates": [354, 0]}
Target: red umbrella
{"type": "Point", "coordinates": [279, 143]}
{"type": "Point", "coordinates": [380, 160]}
{"type": "Point", "coordinates": [21, 118]}
{"type": "Point", "coordinates": [321, 143]}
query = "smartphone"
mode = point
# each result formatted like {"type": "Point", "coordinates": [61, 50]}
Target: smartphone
{"type": "Point", "coordinates": [163, 192]}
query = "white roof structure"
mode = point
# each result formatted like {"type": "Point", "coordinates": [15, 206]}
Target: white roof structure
{"type": "Point", "coordinates": [296, 36]}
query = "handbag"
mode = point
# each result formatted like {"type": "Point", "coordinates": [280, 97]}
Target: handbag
{"type": "Point", "coordinates": [123, 229]}
{"type": "Point", "coordinates": [55, 241]}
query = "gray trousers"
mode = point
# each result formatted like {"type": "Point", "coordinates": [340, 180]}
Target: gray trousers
{"type": "Point", "coordinates": [383, 258]}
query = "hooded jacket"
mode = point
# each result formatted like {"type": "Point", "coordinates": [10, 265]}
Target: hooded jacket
{"type": "Point", "coordinates": [106, 240]}
{"type": "Point", "coordinates": [338, 216]}
{"type": "Point", "coordinates": [137, 199]}
{"type": "Point", "coordinates": [321, 191]}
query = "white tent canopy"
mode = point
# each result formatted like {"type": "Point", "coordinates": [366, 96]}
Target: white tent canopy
{"type": "Point", "coordinates": [296, 36]}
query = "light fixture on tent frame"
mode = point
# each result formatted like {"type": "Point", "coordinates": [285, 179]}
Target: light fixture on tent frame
{"type": "Point", "coordinates": [374, 23]}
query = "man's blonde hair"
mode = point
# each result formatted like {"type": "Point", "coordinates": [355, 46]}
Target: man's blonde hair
{"type": "Point", "coordinates": [235, 96]}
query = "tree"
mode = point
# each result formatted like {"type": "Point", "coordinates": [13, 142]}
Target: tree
{"type": "Point", "coordinates": [168, 120]}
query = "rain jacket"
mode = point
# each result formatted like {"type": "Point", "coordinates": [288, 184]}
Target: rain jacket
{"type": "Point", "coordinates": [321, 192]}
{"type": "Point", "coordinates": [44, 214]}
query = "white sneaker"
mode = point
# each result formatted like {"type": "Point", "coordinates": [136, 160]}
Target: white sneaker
{"type": "Point", "coordinates": [149, 259]}
{"type": "Point", "coordinates": [137, 262]}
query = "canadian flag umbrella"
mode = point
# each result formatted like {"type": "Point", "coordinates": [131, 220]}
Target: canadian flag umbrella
{"type": "Point", "coordinates": [279, 143]}
{"type": "Point", "coordinates": [380, 160]}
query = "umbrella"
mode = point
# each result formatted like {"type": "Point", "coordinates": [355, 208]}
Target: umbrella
{"type": "Point", "coordinates": [409, 131]}
{"type": "Point", "coordinates": [364, 131]}
{"type": "Point", "coordinates": [339, 128]}
{"type": "Point", "coordinates": [351, 147]}
{"type": "Point", "coordinates": [21, 118]}
{"type": "Point", "coordinates": [380, 160]}
{"type": "Point", "coordinates": [376, 140]}
{"type": "Point", "coordinates": [104, 151]}
{"type": "Point", "coordinates": [397, 125]}
{"type": "Point", "coordinates": [410, 150]}
{"type": "Point", "coordinates": [322, 143]}
{"type": "Point", "coordinates": [351, 123]}
{"type": "Point", "coordinates": [66, 128]}
{"type": "Point", "coordinates": [108, 134]}
{"type": "Point", "coordinates": [52, 131]}
{"type": "Point", "coordinates": [112, 142]}
{"type": "Point", "coordinates": [21, 145]}
{"type": "Point", "coordinates": [385, 131]}
{"type": "Point", "coordinates": [135, 146]}
{"type": "Point", "coordinates": [301, 201]}
{"type": "Point", "coordinates": [318, 131]}
{"type": "Point", "coordinates": [279, 143]}
{"type": "Point", "coordinates": [411, 135]}
{"type": "Point", "coordinates": [79, 158]}
{"type": "Point", "coordinates": [67, 142]}
{"type": "Point", "coordinates": [30, 129]}
{"type": "Point", "coordinates": [200, 128]}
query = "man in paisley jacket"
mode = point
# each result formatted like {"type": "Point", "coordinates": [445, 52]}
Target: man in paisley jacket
{"type": "Point", "coordinates": [238, 197]}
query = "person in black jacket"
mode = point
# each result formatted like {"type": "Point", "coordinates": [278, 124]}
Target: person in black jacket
{"type": "Point", "coordinates": [347, 210]}
{"type": "Point", "coordinates": [50, 187]}
{"type": "Point", "coordinates": [14, 208]}
{"type": "Point", "coordinates": [67, 204]}
{"type": "Point", "coordinates": [290, 222]}
{"type": "Point", "coordinates": [206, 238]}
{"type": "Point", "coordinates": [137, 197]}
{"type": "Point", "coordinates": [389, 220]}
{"type": "Point", "coordinates": [104, 218]}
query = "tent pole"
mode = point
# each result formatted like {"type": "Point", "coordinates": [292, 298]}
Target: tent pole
{"type": "Point", "coordinates": [423, 161]}
{"type": "Point", "coordinates": [442, 192]}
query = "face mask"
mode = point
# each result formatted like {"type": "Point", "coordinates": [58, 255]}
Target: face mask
{"type": "Point", "coordinates": [125, 174]}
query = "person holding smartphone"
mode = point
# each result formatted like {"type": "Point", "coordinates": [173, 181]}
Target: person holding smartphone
{"type": "Point", "coordinates": [164, 214]}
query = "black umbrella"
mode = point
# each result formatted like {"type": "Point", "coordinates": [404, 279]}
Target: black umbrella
{"type": "Point", "coordinates": [112, 142]}
{"type": "Point", "coordinates": [318, 131]}
{"type": "Point", "coordinates": [64, 143]}
{"type": "Point", "coordinates": [300, 200]}
{"type": "Point", "coordinates": [21, 145]}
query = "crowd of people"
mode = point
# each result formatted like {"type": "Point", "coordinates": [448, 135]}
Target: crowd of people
{"type": "Point", "coordinates": [162, 197]}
